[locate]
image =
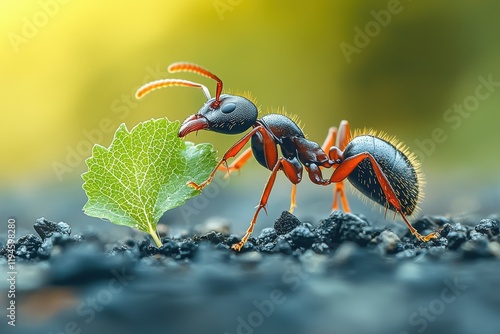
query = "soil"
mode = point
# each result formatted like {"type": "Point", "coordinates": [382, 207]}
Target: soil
{"type": "Point", "coordinates": [339, 275]}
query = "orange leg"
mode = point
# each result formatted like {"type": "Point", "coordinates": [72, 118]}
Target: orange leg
{"type": "Point", "coordinates": [348, 165]}
{"type": "Point", "coordinates": [237, 163]}
{"type": "Point", "coordinates": [330, 139]}
{"type": "Point", "coordinates": [290, 170]}
{"type": "Point", "coordinates": [339, 193]}
{"type": "Point", "coordinates": [339, 138]}
{"type": "Point", "coordinates": [231, 153]}
{"type": "Point", "coordinates": [343, 136]}
{"type": "Point", "coordinates": [293, 194]}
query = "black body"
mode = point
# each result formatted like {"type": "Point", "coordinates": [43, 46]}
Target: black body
{"type": "Point", "coordinates": [396, 167]}
{"type": "Point", "coordinates": [294, 146]}
{"type": "Point", "coordinates": [281, 128]}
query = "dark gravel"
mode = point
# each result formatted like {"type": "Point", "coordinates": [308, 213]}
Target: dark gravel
{"type": "Point", "coordinates": [339, 275]}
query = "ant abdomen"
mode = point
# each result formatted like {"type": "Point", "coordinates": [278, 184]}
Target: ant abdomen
{"type": "Point", "coordinates": [400, 168]}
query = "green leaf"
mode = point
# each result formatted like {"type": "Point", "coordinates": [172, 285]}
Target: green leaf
{"type": "Point", "coordinates": [143, 174]}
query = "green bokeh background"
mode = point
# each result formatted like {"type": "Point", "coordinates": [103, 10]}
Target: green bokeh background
{"type": "Point", "coordinates": [70, 68]}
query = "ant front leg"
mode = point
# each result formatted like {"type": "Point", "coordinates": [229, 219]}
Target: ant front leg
{"type": "Point", "coordinates": [232, 152]}
{"type": "Point", "coordinates": [348, 165]}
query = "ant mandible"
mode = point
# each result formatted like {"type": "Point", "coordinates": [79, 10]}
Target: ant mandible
{"type": "Point", "coordinates": [378, 166]}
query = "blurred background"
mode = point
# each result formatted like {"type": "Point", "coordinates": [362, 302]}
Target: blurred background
{"type": "Point", "coordinates": [424, 71]}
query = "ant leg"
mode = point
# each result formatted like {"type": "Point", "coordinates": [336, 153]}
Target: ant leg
{"type": "Point", "coordinates": [294, 173]}
{"type": "Point", "coordinates": [316, 177]}
{"type": "Point", "coordinates": [348, 165]}
{"type": "Point", "coordinates": [237, 163]}
{"type": "Point", "coordinates": [424, 238]}
{"type": "Point", "coordinates": [339, 193]}
{"type": "Point", "coordinates": [330, 139]}
{"type": "Point", "coordinates": [290, 170]}
{"type": "Point", "coordinates": [232, 152]}
{"type": "Point", "coordinates": [293, 195]}
{"type": "Point", "coordinates": [336, 155]}
{"type": "Point", "coordinates": [343, 135]}
{"type": "Point", "coordinates": [343, 138]}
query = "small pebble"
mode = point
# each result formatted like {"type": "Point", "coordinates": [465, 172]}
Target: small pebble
{"type": "Point", "coordinates": [389, 242]}
{"type": "Point", "coordinates": [46, 228]}
{"type": "Point", "coordinates": [27, 247]}
{"type": "Point", "coordinates": [187, 249]}
{"type": "Point", "coordinates": [268, 235]}
{"type": "Point", "coordinates": [285, 223]}
{"type": "Point", "coordinates": [302, 236]}
{"type": "Point", "coordinates": [490, 227]}
{"type": "Point", "coordinates": [341, 226]}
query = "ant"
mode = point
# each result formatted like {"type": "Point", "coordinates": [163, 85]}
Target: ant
{"type": "Point", "coordinates": [378, 166]}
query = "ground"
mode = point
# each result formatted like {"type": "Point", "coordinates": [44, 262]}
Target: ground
{"type": "Point", "coordinates": [338, 275]}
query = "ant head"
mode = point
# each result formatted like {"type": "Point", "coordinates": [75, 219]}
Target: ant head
{"type": "Point", "coordinates": [231, 114]}
{"type": "Point", "coordinates": [228, 114]}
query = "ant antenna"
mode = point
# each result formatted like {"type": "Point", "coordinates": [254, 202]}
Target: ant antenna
{"type": "Point", "coordinates": [190, 67]}
{"type": "Point", "coordinates": [153, 85]}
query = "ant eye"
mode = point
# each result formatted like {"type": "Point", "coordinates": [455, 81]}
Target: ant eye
{"type": "Point", "coordinates": [228, 108]}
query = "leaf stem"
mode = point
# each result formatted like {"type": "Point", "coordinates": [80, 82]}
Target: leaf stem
{"type": "Point", "coordinates": [154, 235]}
